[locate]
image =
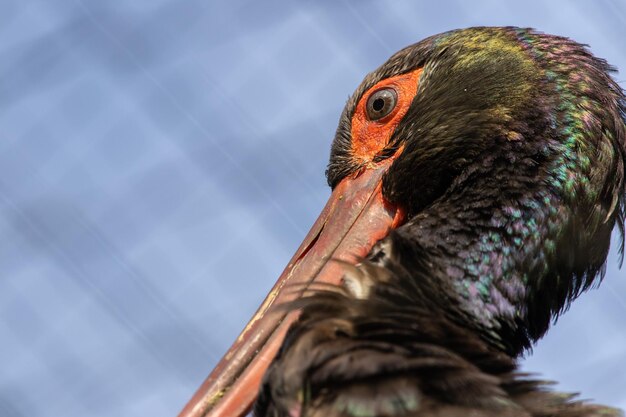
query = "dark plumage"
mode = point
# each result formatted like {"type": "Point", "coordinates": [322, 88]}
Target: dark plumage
{"type": "Point", "coordinates": [397, 354]}
{"type": "Point", "coordinates": [511, 172]}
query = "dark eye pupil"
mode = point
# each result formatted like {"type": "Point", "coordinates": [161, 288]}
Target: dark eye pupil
{"type": "Point", "coordinates": [378, 104]}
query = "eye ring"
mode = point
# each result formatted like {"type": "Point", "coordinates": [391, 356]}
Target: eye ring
{"type": "Point", "coordinates": [381, 103]}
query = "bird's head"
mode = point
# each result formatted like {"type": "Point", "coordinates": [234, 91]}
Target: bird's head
{"type": "Point", "coordinates": [508, 151]}
{"type": "Point", "coordinates": [487, 163]}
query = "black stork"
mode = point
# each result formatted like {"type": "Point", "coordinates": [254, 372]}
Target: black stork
{"type": "Point", "coordinates": [477, 176]}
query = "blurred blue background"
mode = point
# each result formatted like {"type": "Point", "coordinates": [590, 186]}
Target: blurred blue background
{"type": "Point", "coordinates": [160, 161]}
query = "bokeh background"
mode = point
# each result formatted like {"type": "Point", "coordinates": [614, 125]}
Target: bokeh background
{"type": "Point", "coordinates": [160, 160]}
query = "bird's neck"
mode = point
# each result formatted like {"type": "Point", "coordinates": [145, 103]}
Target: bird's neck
{"type": "Point", "coordinates": [493, 248]}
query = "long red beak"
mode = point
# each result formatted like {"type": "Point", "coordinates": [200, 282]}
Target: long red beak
{"type": "Point", "coordinates": [354, 219]}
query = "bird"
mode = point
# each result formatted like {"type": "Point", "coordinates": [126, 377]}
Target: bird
{"type": "Point", "coordinates": [477, 176]}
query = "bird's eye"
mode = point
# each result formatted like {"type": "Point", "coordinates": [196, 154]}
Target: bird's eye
{"type": "Point", "coordinates": [381, 103]}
